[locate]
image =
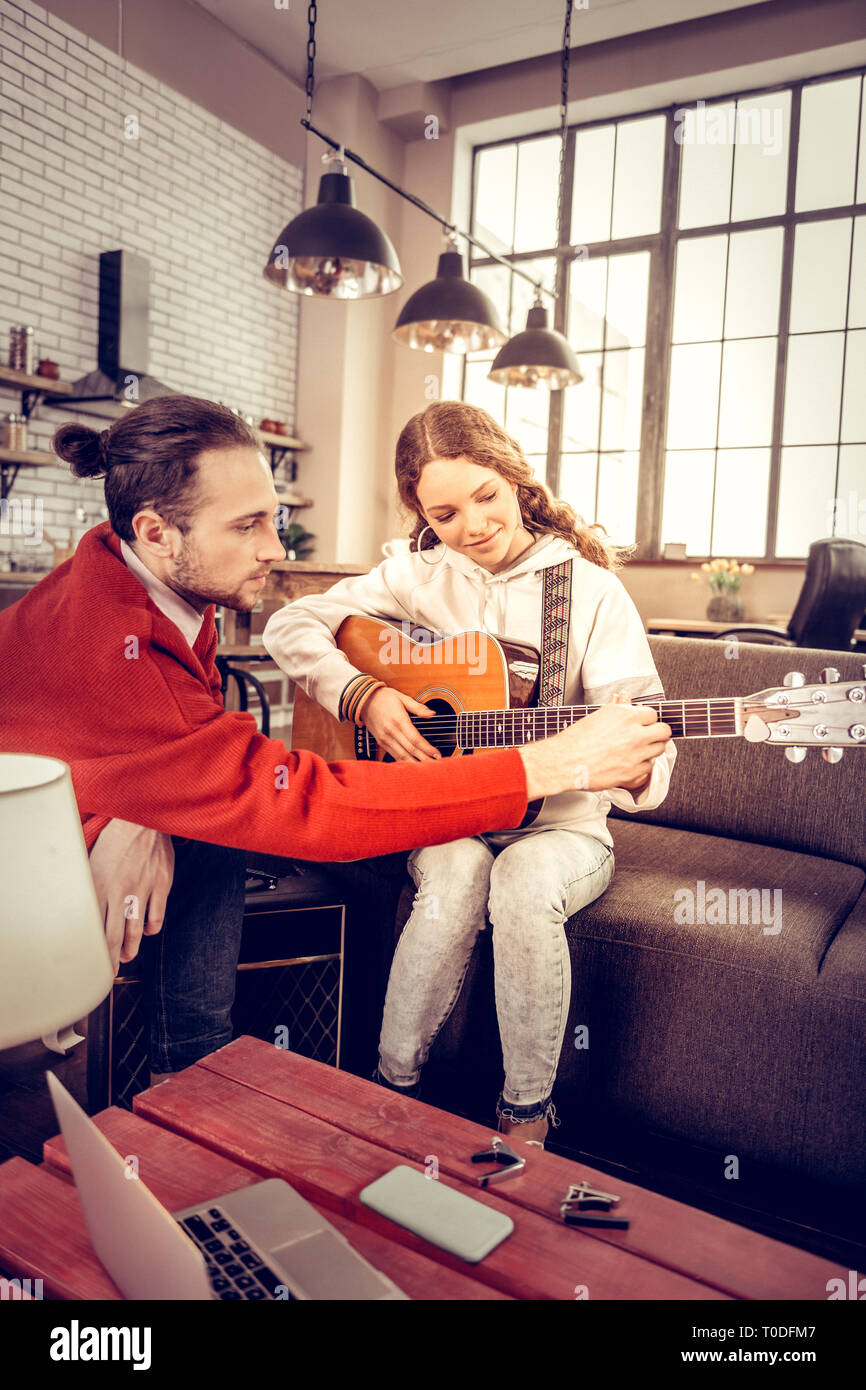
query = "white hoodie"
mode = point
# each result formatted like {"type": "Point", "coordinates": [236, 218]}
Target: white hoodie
{"type": "Point", "coordinates": [607, 651]}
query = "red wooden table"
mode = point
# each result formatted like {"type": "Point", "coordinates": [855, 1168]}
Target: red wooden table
{"type": "Point", "coordinates": [252, 1110]}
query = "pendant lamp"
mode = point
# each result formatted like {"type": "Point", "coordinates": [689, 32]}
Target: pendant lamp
{"type": "Point", "coordinates": [334, 251]}
{"type": "Point", "coordinates": [538, 357]}
{"type": "Point", "coordinates": [450, 314]}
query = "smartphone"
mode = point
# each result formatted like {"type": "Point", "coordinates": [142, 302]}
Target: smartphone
{"type": "Point", "coordinates": [437, 1213]}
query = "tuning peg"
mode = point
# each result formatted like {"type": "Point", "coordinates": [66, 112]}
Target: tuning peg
{"type": "Point", "coordinates": [831, 755]}
{"type": "Point", "coordinates": [795, 754]}
{"type": "Point", "coordinates": [794, 678]}
{"type": "Point", "coordinates": [830, 674]}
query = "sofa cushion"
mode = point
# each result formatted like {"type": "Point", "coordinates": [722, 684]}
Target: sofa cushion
{"type": "Point", "coordinates": [765, 910]}
{"type": "Point", "coordinates": [844, 967]}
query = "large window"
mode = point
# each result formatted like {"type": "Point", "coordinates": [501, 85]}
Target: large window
{"type": "Point", "coordinates": [711, 276]}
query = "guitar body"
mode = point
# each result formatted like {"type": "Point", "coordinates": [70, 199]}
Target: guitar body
{"type": "Point", "coordinates": [452, 675]}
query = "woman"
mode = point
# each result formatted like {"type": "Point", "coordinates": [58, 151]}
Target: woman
{"type": "Point", "coordinates": [484, 532]}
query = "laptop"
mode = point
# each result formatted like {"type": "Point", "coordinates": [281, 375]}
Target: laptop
{"type": "Point", "coordinates": [261, 1242]}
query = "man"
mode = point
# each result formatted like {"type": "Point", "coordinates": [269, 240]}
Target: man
{"type": "Point", "coordinates": [108, 664]}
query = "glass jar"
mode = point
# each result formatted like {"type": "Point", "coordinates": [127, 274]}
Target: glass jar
{"type": "Point", "coordinates": [22, 352]}
{"type": "Point", "coordinates": [16, 432]}
{"type": "Point", "coordinates": [11, 431]}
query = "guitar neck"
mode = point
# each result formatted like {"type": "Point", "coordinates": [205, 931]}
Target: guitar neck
{"type": "Point", "coordinates": [507, 728]}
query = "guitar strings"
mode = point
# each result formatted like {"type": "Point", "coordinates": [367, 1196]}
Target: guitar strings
{"type": "Point", "coordinates": [718, 721]}
{"type": "Point", "coordinates": [683, 707]}
{"type": "Point", "coordinates": [588, 709]}
{"type": "Point", "coordinates": [451, 721]}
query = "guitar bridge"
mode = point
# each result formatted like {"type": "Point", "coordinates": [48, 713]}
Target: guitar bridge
{"type": "Point", "coordinates": [365, 745]}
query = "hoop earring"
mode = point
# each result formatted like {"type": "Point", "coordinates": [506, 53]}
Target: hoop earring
{"type": "Point", "coordinates": [420, 551]}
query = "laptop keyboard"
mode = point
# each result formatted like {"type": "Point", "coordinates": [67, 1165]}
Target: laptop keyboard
{"type": "Point", "coordinates": [236, 1270]}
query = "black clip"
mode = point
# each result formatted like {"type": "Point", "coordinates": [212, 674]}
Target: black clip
{"type": "Point", "coordinates": [258, 881]}
{"type": "Point", "coordinates": [501, 1153]}
{"type": "Point", "coordinates": [583, 1205]}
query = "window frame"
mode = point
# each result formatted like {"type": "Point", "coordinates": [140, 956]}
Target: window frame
{"type": "Point", "coordinates": [662, 246]}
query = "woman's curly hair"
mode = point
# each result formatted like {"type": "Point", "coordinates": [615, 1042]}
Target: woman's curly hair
{"type": "Point", "coordinates": [455, 429]}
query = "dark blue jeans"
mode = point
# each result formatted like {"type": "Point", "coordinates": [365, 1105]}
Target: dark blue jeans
{"type": "Point", "coordinates": [191, 965]}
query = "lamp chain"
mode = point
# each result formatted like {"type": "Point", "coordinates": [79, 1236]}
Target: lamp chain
{"type": "Point", "coordinates": [563, 114]}
{"type": "Point", "coordinates": [311, 56]}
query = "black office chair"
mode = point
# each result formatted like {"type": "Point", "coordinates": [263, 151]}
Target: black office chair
{"type": "Point", "coordinates": [831, 605]}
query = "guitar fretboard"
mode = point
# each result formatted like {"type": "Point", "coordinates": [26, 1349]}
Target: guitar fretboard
{"type": "Point", "coordinates": [507, 728]}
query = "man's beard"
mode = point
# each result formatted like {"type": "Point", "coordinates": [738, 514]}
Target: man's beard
{"type": "Point", "coordinates": [191, 581]}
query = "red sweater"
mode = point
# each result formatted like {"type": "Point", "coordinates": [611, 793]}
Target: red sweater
{"type": "Point", "coordinates": [148, 740]}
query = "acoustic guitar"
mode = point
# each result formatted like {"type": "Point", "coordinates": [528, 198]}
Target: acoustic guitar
{"type": "Point", "coordinates": [483, 691]}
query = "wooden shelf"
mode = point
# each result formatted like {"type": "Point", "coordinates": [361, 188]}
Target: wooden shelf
{"type": "Point", "coordinates": [33, 458]}
{"type": "Point", "coordinates": [696, 561]}
{"type": "Point", "coordinates": [317, 567]}
{"type": "Point", "coordinates": [39, 458]}
{"type": "Point", "coordinates": [287, 441]}
{"type": "Point", "coordinates": [294, 506]}
{"type": "Point", "coordinates": [244, 651]}
{"type": "Point", "coordinates": [700, 624]}
{"type": "Point", "coordinates": [30, 381]}
{"type": "Point", "coordinates": [26, 381]}
{"type": "Point", "coordinates": [681, 627]}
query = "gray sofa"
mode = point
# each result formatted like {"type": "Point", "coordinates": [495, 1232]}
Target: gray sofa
{"type": "Point", "coordinates": [746, 1043]}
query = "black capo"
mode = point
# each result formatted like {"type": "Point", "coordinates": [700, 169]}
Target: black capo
{"type": "Point", "coordinates": [258, 880]}
{"type": "Point", "coordinates": [501, 1153]}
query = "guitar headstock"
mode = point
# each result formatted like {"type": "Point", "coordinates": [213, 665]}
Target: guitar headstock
{"type": "Point", "coordinates": [830, 716]}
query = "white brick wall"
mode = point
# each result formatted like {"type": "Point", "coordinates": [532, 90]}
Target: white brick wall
{"type": "Point", "coordinates": [203, 202]}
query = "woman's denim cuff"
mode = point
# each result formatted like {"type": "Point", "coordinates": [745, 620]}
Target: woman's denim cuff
{"type": "Point", "coordinates": [523, 1114]}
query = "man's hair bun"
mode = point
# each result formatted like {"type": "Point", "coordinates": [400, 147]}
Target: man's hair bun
{"type": "Point", "coordinates": [150, 456]}
{"type": "Point", "coordinates": [82, 448]}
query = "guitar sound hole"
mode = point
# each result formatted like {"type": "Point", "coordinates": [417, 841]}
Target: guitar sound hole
{"type": "Point", "coordinates": [443, 738]}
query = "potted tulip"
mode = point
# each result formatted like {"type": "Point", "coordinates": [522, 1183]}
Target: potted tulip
{"type": "Point", "coordinates": [724, 578]}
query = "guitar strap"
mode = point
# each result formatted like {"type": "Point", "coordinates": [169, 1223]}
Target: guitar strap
{"type": "Point", "coordinates": [555, 625]}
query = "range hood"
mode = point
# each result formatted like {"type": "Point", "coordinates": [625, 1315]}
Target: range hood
{"type": "Point", "coordinates": [121, 380]}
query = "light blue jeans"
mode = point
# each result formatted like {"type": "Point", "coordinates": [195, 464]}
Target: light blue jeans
{"type": "Point", "coordinates": [528, 888]}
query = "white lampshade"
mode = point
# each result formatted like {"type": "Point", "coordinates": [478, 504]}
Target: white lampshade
{"type": "Point", "coordinates": [54, 962]}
